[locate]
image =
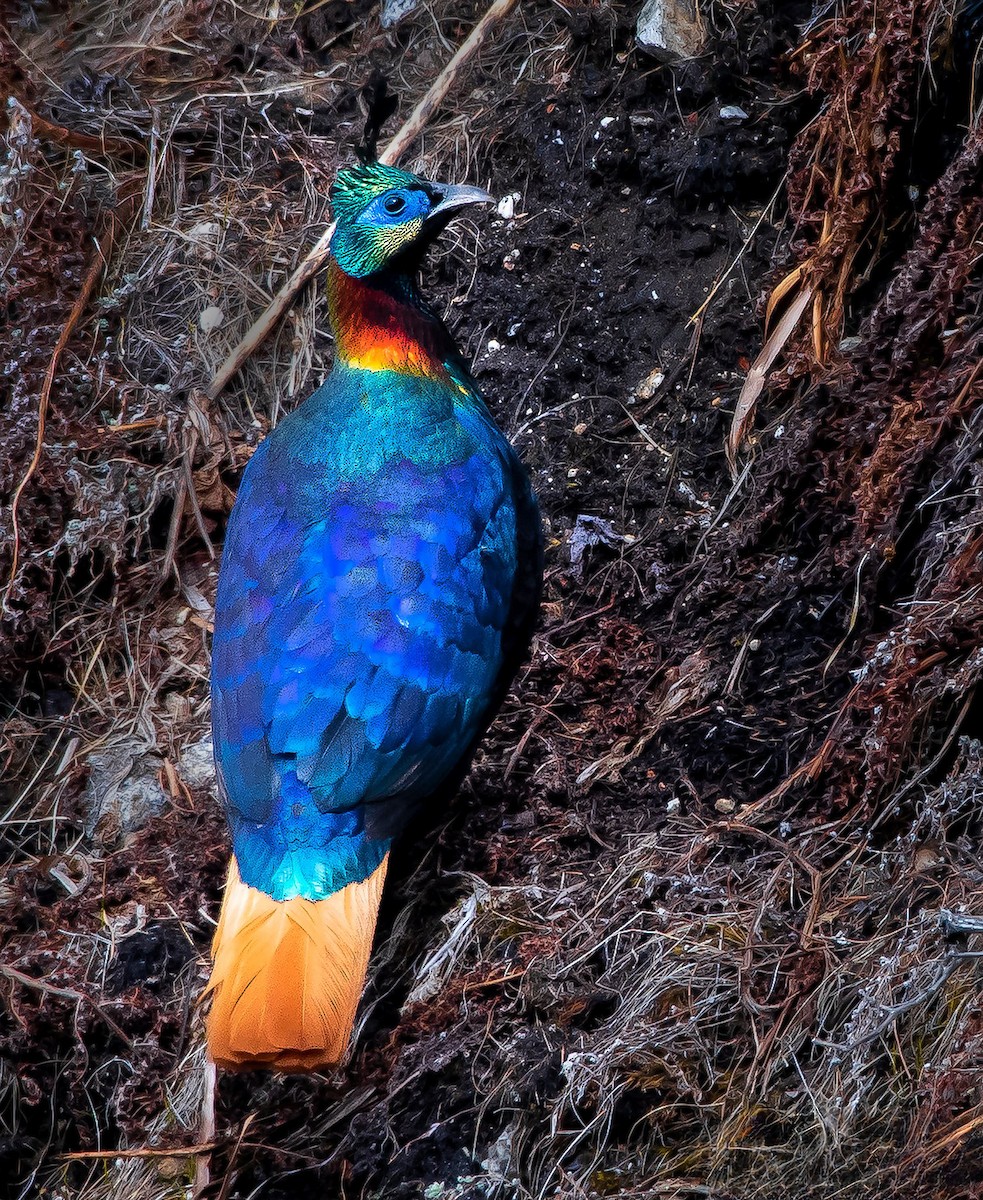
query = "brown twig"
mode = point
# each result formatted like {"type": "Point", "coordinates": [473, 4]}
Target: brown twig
{"type": "Point", "coordinates": [49, 989]}
{"type": "Point", "coordinates": [192, 497]}
{"type": "Point", "coordinates": [758, 373]}
{"type": "Point", "coordinates": [815, 876]}
{"type": "Point", "coordinates": [206, 1130]}
{"type": "Point", "coordinates": [144, 1152]}
{"type": "Point", "coordinates": [99, 260]}
{"type": "Point", "coordinates": [227, 1181]}
{"type": "Point", "coordinates": [316, 257]}
{"type": "Point", "coordinates": [105, 145]}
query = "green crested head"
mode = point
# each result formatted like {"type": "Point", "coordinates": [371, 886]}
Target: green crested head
{"type": "Point", "coordinates": [386, 218]}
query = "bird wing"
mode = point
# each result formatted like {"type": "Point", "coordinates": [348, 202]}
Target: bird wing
{"type": "Point", "coordinates": [355, 651]}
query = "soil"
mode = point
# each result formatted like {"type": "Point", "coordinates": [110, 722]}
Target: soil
{"type": "Point", "coordinates": [689, 765]}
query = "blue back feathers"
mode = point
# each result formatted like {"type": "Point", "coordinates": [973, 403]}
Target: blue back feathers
{"type": "Point", "coordinates": [377, 590]}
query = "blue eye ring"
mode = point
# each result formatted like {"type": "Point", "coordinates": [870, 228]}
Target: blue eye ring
{"type": "Point", "coordinates": [398, 206]}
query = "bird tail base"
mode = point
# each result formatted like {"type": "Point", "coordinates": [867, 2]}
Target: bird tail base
{"type": "Point", "coordinates": [287, 975]}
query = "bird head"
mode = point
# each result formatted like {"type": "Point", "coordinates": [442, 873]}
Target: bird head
{"type": "Point", "coordinates": [385, 218]}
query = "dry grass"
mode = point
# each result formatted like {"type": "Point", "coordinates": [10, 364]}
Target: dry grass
{"type": "Point", "coordinates": [758, 1005]}
{"type": "Point", "coordinates": [134, 94]}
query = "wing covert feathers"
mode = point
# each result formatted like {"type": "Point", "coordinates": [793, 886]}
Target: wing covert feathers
{"type": "Point", "coordinates": [287, 975]}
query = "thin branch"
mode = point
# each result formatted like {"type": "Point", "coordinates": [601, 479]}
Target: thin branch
{"type": "Point", "coordinates": [105, 145]}
{"type": "Point", "coordinates": [318, 254]}
{"type": "Point", "coordinates": [144, 1152]}
{"type": "Point", "coordinates": [49, 989]}
{"type": "Point", "coordinates": [758, 373]}
{"type": "Point", "coordinates": [99, 261]}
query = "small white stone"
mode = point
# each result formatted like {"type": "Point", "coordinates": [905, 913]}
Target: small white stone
{"type": "Point", "coordinates": [670, 29]}
{"type": "Point", "coordinates": [393, 11]}
{"type": "Point", "coordinates": [507, 205]}
{"type": "Point", "coordinates": [650, 384]}
{"type": "Point", "coordinates": [205, 232]}
{"type": "Point", "coordinates": [493, 346]}
{"type": "Point", "coordinates": [210, 318]}
{"type": "Point", "coordinates": [197, 764]}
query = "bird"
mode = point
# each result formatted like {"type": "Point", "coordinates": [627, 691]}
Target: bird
{"type": "Point", "coordinates": [378, 590]}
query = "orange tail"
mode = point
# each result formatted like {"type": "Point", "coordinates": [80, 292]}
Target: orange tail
{"type": "Point", "coordinates": [287, 975]}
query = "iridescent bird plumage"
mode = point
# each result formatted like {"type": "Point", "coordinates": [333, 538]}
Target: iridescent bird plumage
{"type": "Point", "coordinates": [377, 591]}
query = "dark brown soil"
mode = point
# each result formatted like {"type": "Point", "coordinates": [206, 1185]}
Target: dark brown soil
{"type": "Point", "coordinates": [750, 706]}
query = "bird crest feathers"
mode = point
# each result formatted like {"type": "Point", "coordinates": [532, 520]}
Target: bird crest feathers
{"type": "Point", "coordinates": [355, 187]}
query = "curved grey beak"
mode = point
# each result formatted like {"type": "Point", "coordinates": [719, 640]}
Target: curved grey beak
{"type": "Point", "coordinates": [455, 196]}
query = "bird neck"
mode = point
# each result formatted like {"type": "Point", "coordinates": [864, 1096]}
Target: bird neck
{"type": "Point", "coordinates": [381, 324]}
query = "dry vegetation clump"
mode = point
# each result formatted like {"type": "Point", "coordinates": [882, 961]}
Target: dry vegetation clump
{"type": "Point", "coordinates": [704, 922]}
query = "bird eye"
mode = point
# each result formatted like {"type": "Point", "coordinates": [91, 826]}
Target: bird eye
{"type": "Point", "coordinates": [394, 205]}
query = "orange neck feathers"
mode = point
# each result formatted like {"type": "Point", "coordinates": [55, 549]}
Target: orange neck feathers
{"type": "Point", "coordinates": [378, 330]}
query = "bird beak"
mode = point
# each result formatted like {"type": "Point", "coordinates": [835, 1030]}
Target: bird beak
{"type": "Point", "coordinates": [455, 196]}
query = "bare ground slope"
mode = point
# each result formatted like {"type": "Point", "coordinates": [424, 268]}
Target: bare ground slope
{"type": "Point", "coordinates": [685, 931]}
